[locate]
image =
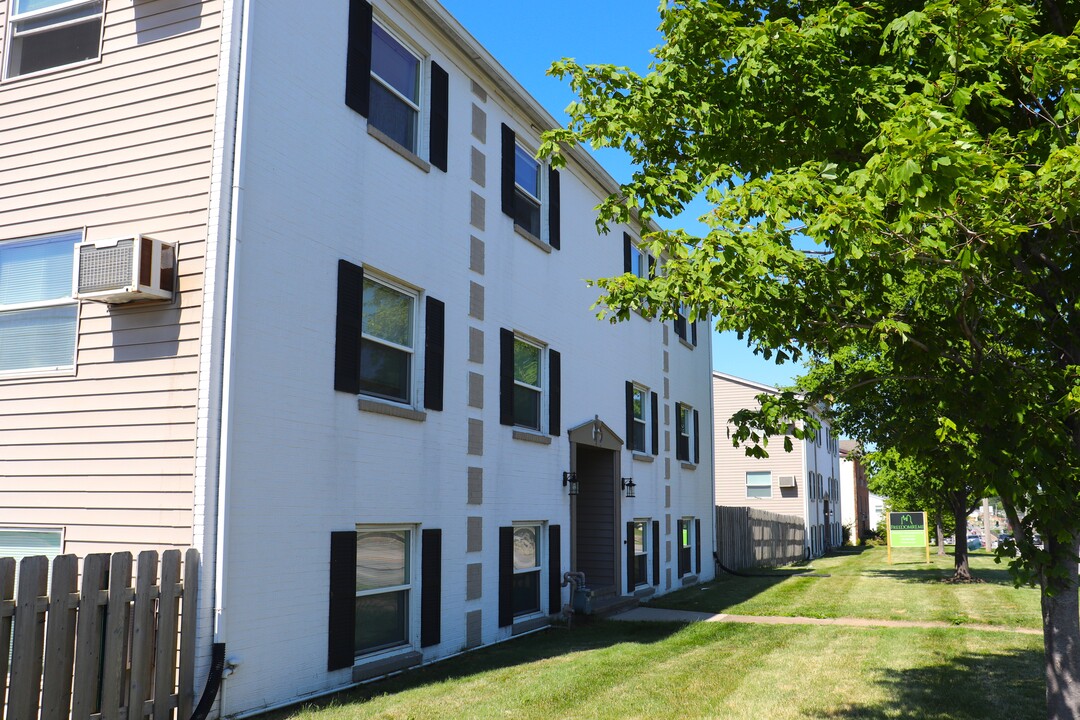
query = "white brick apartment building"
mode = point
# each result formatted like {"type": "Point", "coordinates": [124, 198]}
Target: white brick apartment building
{"type": "Point", "coordinates": [363, 402]}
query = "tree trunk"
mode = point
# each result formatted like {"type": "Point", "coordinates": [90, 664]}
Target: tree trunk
{"type": "Point", "coordinates": [1061, 631]}
{"type": "Point", "coordinates": [940, 533]}
{"type": "Point", "coordinates": [962, 570]}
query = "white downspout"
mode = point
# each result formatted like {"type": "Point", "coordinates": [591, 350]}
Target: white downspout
{"type": "Point", "coordinates": [214, 402]}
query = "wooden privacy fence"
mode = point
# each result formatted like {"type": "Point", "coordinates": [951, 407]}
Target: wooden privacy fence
{"type": "Point", "coordinates": [746, 537]}
{"type": "Point", "coordinates": [107, 652]}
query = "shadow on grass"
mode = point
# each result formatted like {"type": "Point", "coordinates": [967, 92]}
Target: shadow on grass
{"type": "Point", "coordinates": [1003, 684]}
{"type": "Point", "coordinates": [934, 575]}
{"type": "Point", "coordinates": [550, 643]}
{"type": "Point", "coordinates": [724, 592]}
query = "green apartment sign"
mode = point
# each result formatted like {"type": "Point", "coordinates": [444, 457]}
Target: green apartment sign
{"type": "Point", "coordinates": [907, 529]}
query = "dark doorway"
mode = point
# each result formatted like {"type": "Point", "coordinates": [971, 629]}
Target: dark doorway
{"type": "Point", "coordinates": [595, 531]}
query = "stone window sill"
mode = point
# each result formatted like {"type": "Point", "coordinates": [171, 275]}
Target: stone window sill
{"type": "Point", "coordinates": [642, 457]}
{"type": "Point", "coordinates": [685, 344]}
{"type": "Point", "coordinates": [688, 466]}
{"type": "Point", "coordinates": [532, 437]}
{"type": "Point", "coordinates": [377, 667]}
{"type": "Point", "coordinates": [398, 148]}
{"type": "Point", "coordinates": [532, 238]}
{"type": "Point", "coordinates": [384, 408]}
{"type": "Point", "coordinates": [689, 579]}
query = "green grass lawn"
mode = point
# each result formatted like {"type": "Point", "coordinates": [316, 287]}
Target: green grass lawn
{"type": "Point", "coordinates": [610, 669]}
{"type": "Point", "coordinates": [864, 585]}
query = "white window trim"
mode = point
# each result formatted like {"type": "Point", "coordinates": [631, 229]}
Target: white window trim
{"type": "Point", "coordinates": [644, 421]}
{"type": "Point", "coordinates": [747, 485]}
{"type": "Point", "coordinates": [643, 261]}
{"type": "Point", "coordinates": [646, 544]}
{"type": "Point", "coordinates": [541, 374]}
{"type": "Point", "coordinates": [10, 35]}
{"type": "Point", "coordinates": [412, 622]}
{"type": "Point", "coordinates": [541, 186]}
{"type": "Point", "coordinates": [54, 370]}
{"type": "Point", "coordinates": [423, 62]}
{"type": "Point", "coordinates": [540, 568]}
{"type": "Point", "coordinates": [688, 433]}
{"type": "Point", "coordinates": [415, 371]}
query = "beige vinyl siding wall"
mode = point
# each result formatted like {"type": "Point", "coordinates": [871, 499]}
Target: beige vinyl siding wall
{"type": "Point", "coordinates": [120, 146]}
{"type": "Point", "coordinates": [732, 464]}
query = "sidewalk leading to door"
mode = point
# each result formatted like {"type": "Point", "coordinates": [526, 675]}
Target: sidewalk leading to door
{"type": "Point", "coordinates": [648, 614]}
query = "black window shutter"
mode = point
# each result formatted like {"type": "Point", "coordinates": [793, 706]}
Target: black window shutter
{"type": "Point", "coordinates": [630, 416]}
{"type": "Point", "coordinates": [655, 417]}
{"type": "Point", "coordinates": [509, 143]}
{"type": "Point", "coordinates": [358, 61]}
{"type": "Point", "coordinates": [342, 626]}
{"type": "Point", "coordinates": [697, 547]}
{"type": "Point", "coordinates": [434, 341]}
{"type": "Point", "coordinates": [697, 439]}
{"type": "Point", "coordinates": [627, 252]}
{"type": "Point", "coordinates": [554, 569]}
{"type": "Point", "coordinates": [678, 545]}
{"type": "Point", "coordinates": [555, 401]}
{"type": "Point", "coordinates": [506, 576]}
{"type": "Point", "coordinates": [506, 377]}
{"type": "Point", "coordinates": [656, 552]}
{"type": "Point", "coordinates": [350, 308]}
{"type": "Point", "coordinates": [693, 333]}
{"type": "Point", "coordinates": [430, 587]}
{"type": "Point", "coordinates": [439, 128]}
{"type": "Point", "coordinates": [680, 325]}
{"type": "Point", "coordinates": [652, 267]}
{"type": "Point", "coordinates": [631, 581]}
{"type": "Point", "coordinates": [554, 210]}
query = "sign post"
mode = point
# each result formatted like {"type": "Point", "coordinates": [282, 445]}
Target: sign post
{"type": "Point", "coordinates": [907, 529]}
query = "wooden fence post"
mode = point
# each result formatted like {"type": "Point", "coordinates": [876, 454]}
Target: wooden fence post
{"type": "Point", "coordinates": [114, 663]}
{"type": "Point", "coordinates": [29, 645]}
{"type": "Point", "coordinates": [165, 652]}
{"type": "Point", "coordinates": [186, 682]}
{"type": "Point", "coordinates": [7, 613]}
{"type": "Point", "coordinates": [60, 638]}
{"type": "Point", "coordinates": [142, 635]}
{"type": "Point", "coordinates": [92, 602]}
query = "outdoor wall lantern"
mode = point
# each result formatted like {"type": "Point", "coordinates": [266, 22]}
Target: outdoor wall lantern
{"type": "Point", "coordinates": [629, 485]}
{"type": "Point", "coordinates": [570, 478]}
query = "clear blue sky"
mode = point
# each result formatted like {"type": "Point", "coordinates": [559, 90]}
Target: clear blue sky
{"type": "Point", "coordinates": [527, 37]}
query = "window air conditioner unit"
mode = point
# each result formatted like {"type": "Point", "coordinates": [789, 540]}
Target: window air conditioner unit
{"type": "Point", "coordinates": [787, 481]}
{"type": "Point", "coordinates": [124, 270]}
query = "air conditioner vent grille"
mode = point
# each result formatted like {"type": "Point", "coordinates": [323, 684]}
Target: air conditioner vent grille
{"type": "Point", "coordinates": [105, 268]}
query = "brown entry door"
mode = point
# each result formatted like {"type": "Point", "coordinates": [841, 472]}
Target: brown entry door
{"type": "Point", "coordinates": [595, 531]}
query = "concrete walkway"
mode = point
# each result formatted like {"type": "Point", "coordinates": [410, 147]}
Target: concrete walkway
{"type": "Point", "coordinates": [648, 614]}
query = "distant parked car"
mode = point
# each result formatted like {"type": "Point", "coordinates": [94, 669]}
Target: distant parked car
{"type": "Point", "coordinates": [1037, 541]}
{"type": "Point", "coordinates": [974, 542]}
{"type": "Point", "coordinates": [1001, 538]}
{"type": "Point", "coordinates": [950, 540]}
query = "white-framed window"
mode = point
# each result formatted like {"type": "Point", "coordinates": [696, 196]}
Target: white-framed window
{"type": "Point", "coordinates": [528, 191]}
{"type": "Point", "coordinates": [528, 383]}
{"type": "Point", "coordinates": [384, 583]}
{"type": "Point", "coordinates": [528, 567]}
{"type": "Point", "coordinates": [47, 34]}
{"type": "Point", "coordinates": [759, 484]}
{"type": "Point", "coordinates": [639, 262]}
{"type": "Point", "coordinates": [396, 92]}
{"type": "Point", "coordinates": [22, 542]}
{"type": "Point", "coordinates": [38, 316]}
{"type": "Point", "coordinates": [684, 439]}
{"type": "Point", "coordinates": [640, 420]}
{"type": "Point", "coordinates": [641, 552]}
{"type": "Point", "coordinates": [686, 544]}
{"type": "Point", "coordinates": [388, 340]}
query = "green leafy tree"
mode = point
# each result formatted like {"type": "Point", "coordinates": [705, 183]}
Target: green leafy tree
{"type": "Point", "coordinates": [928, 152]}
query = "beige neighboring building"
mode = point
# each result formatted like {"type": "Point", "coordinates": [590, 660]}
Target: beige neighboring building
{"type": "Point", "coordinates": [107, 116]}
{"type": "Point", "coordinates": [803, 482]}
